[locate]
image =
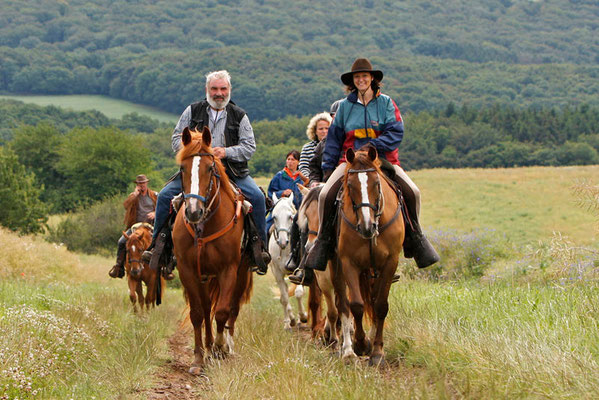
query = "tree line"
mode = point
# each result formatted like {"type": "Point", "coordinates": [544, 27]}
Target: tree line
{"type": "Point", "coordinates": [286, 56]}
{"type": "Point", "coordinates": [54, 161]}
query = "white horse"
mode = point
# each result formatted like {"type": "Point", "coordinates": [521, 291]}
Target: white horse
{"type": "Point", "coordinates": [280, 251]}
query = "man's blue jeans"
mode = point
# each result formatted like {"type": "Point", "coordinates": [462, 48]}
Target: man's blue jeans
{"type": "Point", "coordinates": [247, 185]}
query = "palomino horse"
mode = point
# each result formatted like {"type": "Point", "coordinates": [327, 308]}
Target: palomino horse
{"type": "Point", "coordinates": [207, 239]}
{"type": "Point", "coordinates": [280, 251]}
{"type": "Point", "coordinates": [138, 272]}
{"type": "Point", "coordinates": [371, 234]}
{"type": "Point", "coordinates": [309, 222]}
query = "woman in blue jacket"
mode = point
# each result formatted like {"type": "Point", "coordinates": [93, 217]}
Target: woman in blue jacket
{"type": "Point", "coordinates": [284, 183]}
{"type": "Point", "coordinates": [366, 116]}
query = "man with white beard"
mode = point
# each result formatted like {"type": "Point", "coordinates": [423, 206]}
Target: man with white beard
{"type": "Point", "coordinates": [233, 143]}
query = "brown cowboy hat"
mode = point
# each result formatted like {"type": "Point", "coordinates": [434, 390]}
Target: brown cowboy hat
{"type": "Point", "coordinates": [141, 179]}
{"type": "Point", "coordinates": [361, 65]}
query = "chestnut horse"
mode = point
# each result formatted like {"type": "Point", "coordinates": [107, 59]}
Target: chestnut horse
{"type": "Point", "coordinates": [137, 271]}
{"type": "Point", "coordinates": [207, 239]}
{"type": "Point", "coordinates": [371, 234]}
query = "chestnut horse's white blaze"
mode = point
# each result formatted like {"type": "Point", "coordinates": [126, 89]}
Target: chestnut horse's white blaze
{"type": "Point", "coordinates": [363, 178]}
{"type": "Point", "coordinates": [195, 182]}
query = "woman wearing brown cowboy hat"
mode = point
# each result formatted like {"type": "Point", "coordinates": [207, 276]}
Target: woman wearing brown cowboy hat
{"type": "Point", "coordinates": [366, 116]}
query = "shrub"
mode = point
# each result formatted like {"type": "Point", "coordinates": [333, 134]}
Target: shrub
{"type": "Point", "coordinates": [463, 255]}
{"type": "Point", "coordinates": [94, 229]}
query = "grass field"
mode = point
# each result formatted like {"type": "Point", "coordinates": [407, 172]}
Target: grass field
{"type": "Point", "coordinates": [516, 319]}
{"type": "Point", "coordinates": [110, 107]}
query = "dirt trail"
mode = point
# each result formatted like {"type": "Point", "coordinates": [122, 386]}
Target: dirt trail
{"type": "Point", "coordinates": [172, 379]}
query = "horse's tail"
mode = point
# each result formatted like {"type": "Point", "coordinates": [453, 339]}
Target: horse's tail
{"type": "Point", "coordinates": [366, 292]}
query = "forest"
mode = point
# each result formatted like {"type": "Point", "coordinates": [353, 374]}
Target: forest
{"type": "Point", "coordinates": [64, 160]}
{"type": "Point", "coordinates": [286, 56]}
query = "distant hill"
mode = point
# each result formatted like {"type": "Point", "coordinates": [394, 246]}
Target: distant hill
{"type": "Point", "coordinates": [286, 56]}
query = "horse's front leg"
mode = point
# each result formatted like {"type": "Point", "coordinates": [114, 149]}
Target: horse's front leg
{"type": "Point", "coordinates": [132, 292]}
{"type": "Point", "coordinates": [315, 303]}
{"type": "Point", "coordinates": [226, 282]}
{"type": "Point", "coordinates": [301, 310]}
{"type": "Point", "coordinates": [381, 307]}
{"type": "Point", "coordinates": [347, 351]}
{"type": "Point", "coordinates": [362, 345]}
{"type": "Point", "coordinates": [288, 317]}
{"type": "Point", "coordinates": [140, 294]}
{"type": "Point", "coordinates": [207, 309]}
{"type": "Point", "coordinates": [191, 283]}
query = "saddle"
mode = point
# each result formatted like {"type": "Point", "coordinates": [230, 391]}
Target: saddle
{"type": "Point", "coordinates": [163, 259]}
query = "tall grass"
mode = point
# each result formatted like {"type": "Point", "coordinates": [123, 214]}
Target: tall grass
{"type": "Point", "coordinates": [66, 331]}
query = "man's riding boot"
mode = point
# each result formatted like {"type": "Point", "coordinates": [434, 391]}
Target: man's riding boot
{"type": "Point", "coordinates": [295, 243]}
{"type": "Point", "coordinates": [146, 256]}
{"type": "Point", "coordinates": [416, 245]}
{"type": "Point", "coordinates": [118, 270]}
{"type": "Point", "coordinates": [168, 269]}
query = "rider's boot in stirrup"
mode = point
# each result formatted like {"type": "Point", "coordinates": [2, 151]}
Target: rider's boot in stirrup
{"type": "Point", "coordinates": [302, 276]}
{"type": "Point", "coordinates": [118, 270]}
{"type": "Point", "coordinates": [146, 256]}
{"type": "Point", "coordinates": [417, 245]}
{"type": "Point", "coordinates": [295, 243]}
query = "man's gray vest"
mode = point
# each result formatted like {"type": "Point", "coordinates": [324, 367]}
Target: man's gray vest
{"type": "Point", "coordinates": [199, 119]}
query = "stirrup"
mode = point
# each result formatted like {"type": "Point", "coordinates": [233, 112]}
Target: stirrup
{"type": "Point", "coordinates": [302, 277]}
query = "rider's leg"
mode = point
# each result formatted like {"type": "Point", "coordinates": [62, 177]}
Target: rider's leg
{"type": "Point", "coordinates": [318, 255]}
{"type": "Point", "coordinates": [294, 242]}
{"type": "Point", "coordinates": [256, 198]}
{"type": "Point", "coordinates": [118, 269]}
{"type": "Point", "coordinates": [163, 205]}
{"type": "Point", "coordinates": [415, 245]}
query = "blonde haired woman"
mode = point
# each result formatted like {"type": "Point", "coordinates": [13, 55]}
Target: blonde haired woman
{"type": "Point", "coordinates": [317, 129]}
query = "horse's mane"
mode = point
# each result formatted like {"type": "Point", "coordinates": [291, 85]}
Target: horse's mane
{"type": "Point", "coordinates": [198, 146]}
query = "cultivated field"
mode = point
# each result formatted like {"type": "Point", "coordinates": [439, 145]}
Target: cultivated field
{"type": "Point", "coordinates": [112, 108]}
{"type": "Point", "coordinates": [511, 313]}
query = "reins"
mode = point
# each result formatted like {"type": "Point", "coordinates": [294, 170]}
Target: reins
{"type": "Point", "coordinates": [196, 230]}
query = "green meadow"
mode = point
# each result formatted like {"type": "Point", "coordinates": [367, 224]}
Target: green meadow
{"type": "Point", "coordinates": [511, 312]}
{"type": "Point", "coordinates": [112, 108]}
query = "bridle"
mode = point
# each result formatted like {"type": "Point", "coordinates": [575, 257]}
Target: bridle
{"type": "Point", "coordinates": [277, 229]}
{"type": "Point", "coordinates": [377, 208]}
{"type": "Point", "coordinates": [213, 174]}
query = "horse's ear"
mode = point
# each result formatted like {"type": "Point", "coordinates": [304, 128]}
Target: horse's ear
{"type": "Point", "coordinates": [291, 197]}
{"type": "Point", "coordinates": [206, 136]}
{"type": "Point", "coordinates": [186, 136]}
{"type": "Point", "coordinates": [125, 235]}
{"type": "Point", "coordinates": [274, 198]}
{"type": "Point", "coordinates": [372, 153]}
{"type": "Point", "coordinates": [303, 190]}
{"type": "Point", "coordinates": [350, 155]}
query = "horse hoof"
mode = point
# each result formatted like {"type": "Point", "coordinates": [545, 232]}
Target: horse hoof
{"type": "Point", "coordinates": [293, 322]}
{"type": "Point", "coordinates": [197, 371]}
{"type": "Point", "coordinates": [363, 348]}
{"type": "Point", "coordinates": [350, 358]}
{"type": "Point", "coordinates": [377, 360]}
{"type": "Point", "coordinates": [304, 319]}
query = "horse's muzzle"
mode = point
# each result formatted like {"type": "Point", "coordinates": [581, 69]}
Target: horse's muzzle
{"type": "Point", "coordinates": [194, 217]}
{"type": "Point", "coordinates": [135, 272]}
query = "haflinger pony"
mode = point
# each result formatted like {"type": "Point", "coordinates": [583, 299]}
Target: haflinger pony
{"type": "Point", "coordinates": [371, 234]}
{"type": "Point", "coordinates": [137, 271]}
{"type": "Point", "coordinates": [280, 251]}
{"type": "Point", "coordinates": [207, 239]}
{"type": "Point", "coordinates": [309, 221]}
